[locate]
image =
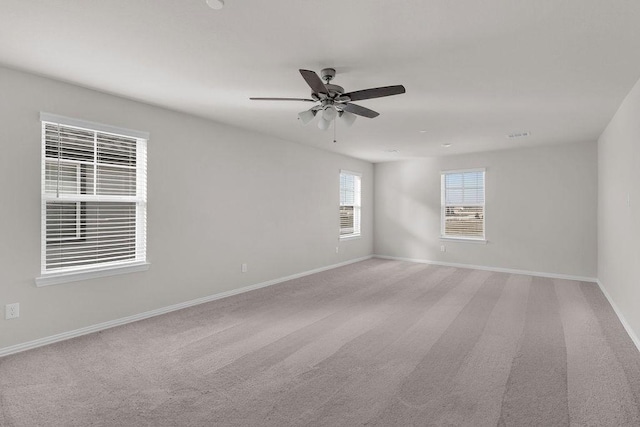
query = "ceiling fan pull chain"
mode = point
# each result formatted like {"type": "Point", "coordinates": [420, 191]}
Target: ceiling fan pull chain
{"type": "Point", "coordinates": [335, 125]}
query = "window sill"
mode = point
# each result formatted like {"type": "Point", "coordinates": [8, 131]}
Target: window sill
{"type": "Point", "coordinates": [464, 240]}
{"type": "Point", "coordinates": [350, 236]}
{"type": "Point", "coordinates": [58, 278]}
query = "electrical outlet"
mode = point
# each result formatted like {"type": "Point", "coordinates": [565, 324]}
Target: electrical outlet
{"type": "Point", "coordinates": [244, 268]}
{"type": "Point", "coordinates": [11, 311]}
{"type": "Point", "coordinates": [443, 248]}
{"type": "Point", "coordinates": [337, 249]}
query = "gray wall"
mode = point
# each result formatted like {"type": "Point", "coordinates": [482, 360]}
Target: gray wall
{"type": "Point", "coordinates": [618, 221]}
{"type": "Point", "coordinates": [540, 210]}
{"type": "Point", "coordinates": [217, 197]}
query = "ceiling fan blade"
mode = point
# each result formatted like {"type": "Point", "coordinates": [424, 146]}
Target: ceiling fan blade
{"type": "Point", "coordinates": [377, 92]}
{"type": "Point", "coordinates": [359, 110]}
{"type": "Point", "coordinates": [282, 99]}
{"type": "Point", "coordinates": [314, 82]}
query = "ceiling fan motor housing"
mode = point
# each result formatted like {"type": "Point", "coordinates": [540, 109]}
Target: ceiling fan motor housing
{"type": "Point", "coordinates": [334, 90]}
{"type": "Point", "coordinates": [333, 97]}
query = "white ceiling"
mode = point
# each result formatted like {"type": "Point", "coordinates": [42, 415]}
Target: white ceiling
{"type": "Point", "coordinates": [474, 70]}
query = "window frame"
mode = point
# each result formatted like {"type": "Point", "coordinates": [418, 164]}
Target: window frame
{"type": "Point", "coordinates": [357, 205]}
{"type": "Point", "coordinates": [443, 206]}
{"type": "Point", "coordinates": [49, 276]}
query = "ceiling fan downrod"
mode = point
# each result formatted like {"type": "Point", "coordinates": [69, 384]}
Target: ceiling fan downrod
{"type": "Point", "coordinates": [328, 74]}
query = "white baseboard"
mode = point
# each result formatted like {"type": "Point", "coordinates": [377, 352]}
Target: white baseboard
{"type": "Point", "coordinates": [624, 322]}
{"type": "Point", "coordinates": [124, 320]}
{"type": "Point", "coordinates": [496, 269]}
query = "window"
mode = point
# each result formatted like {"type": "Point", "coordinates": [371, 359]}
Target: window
{"type": "Point", "coordinates": [463, 204]}
{"type": "Point", "coordinates": [349, 204]}
{"type": "Point", "coordinates": [94, 199]}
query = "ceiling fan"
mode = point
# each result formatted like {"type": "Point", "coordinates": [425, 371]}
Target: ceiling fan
{"type": "Point", "coordinates": [333, 102]}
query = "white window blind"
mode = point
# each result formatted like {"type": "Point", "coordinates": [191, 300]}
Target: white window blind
{"type": "Point", "coordinates": [94, 196]}
{"type": "Point", "coordinates": [350, 183]}
{"type": "Point", "coordinates": [463, 209]}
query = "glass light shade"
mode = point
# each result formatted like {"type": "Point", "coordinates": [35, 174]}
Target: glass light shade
{"type": "Point", "coordinates": [323, 123]}
{"type": "Point", "coordinates": [306, 116]}
{"type": "Point", "coordinates": [329, 113]}
{"type": "Point", "coordinates": [348, 118]}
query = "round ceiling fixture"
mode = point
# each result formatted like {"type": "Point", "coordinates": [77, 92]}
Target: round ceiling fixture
{"type": "Point", "coordinates": [215, 4]}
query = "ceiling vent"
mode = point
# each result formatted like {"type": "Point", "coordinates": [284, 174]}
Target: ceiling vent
{"type": "Point", "coordinates": [518, 135]}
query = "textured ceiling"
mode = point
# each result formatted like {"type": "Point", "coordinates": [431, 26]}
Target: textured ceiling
{"type": "Point", "coordinates": [474, 70]}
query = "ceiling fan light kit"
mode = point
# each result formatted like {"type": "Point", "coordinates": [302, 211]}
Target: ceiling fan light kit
{"type": "Point", "coordinates": [332, 100]}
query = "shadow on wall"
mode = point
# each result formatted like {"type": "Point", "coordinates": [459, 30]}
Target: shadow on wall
{"type": "Point", "coordinates": [411, 224]}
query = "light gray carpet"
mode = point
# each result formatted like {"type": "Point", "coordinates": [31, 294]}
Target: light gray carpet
{"type": "Point", "coordinates": [381, 343]}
